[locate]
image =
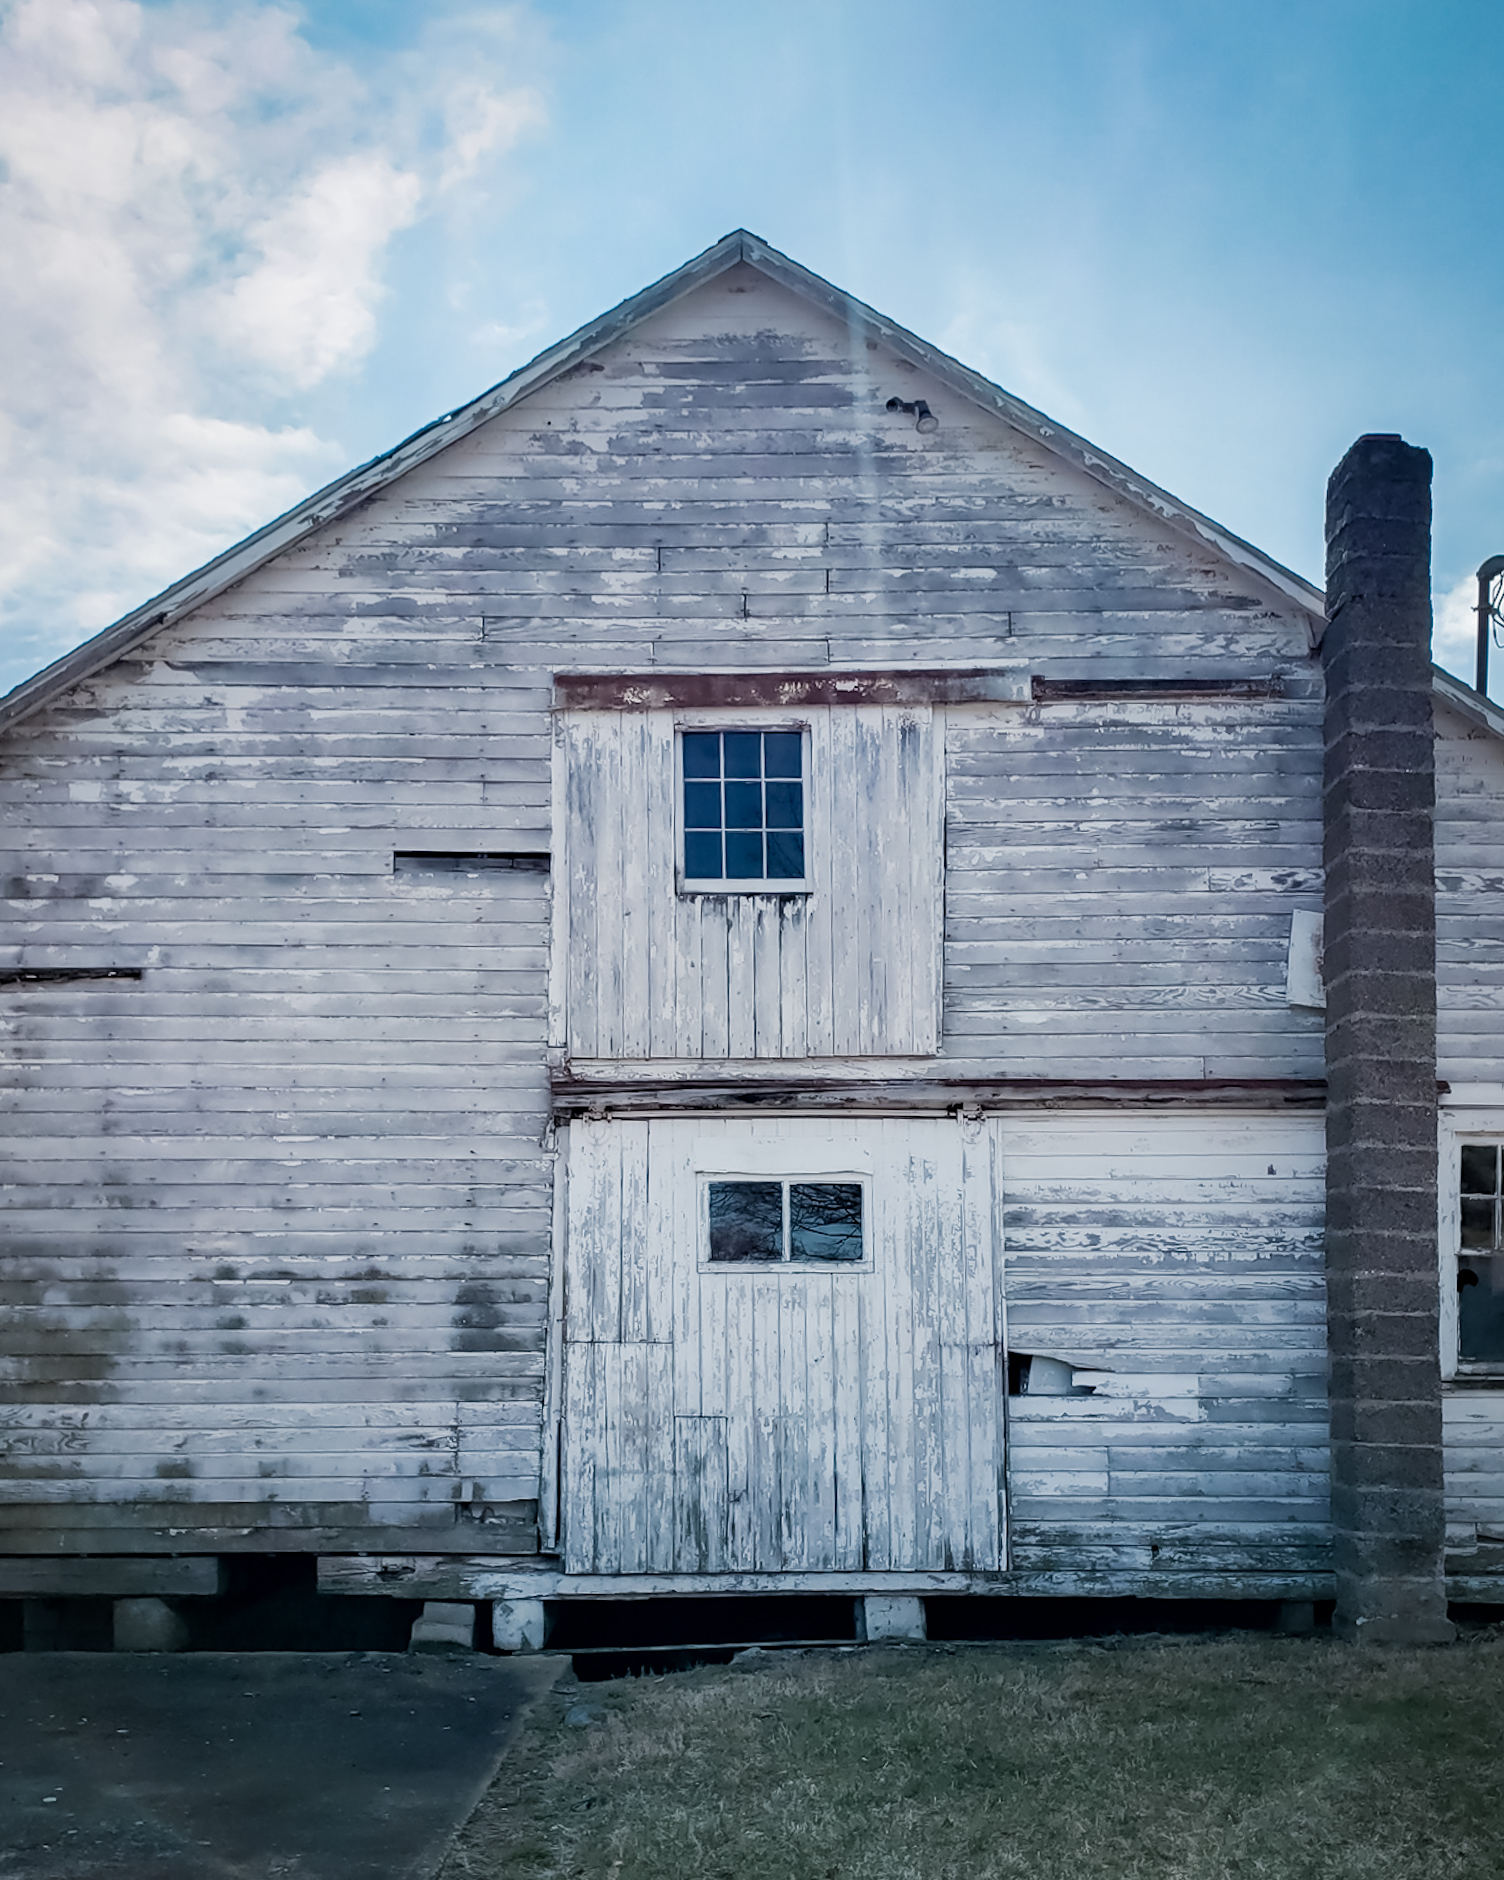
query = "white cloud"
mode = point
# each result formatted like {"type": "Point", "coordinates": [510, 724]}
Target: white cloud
{"type": "Point", "coordinates": [309, 305]}
{"type": "Point", "coordinates": [482, 123]}
{"type": "Point", "coordinates": [1454, 630]}
{"type": "Point", "coordinates": [196, 211]}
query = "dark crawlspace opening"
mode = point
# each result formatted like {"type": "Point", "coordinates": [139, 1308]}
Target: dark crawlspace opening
{"type": "Point", "coordinates": [614, 1638]}
{"type": "Point", "coordinates": [1475, 1618]}
{"type": "Point", "coordinates": [272, 1604]}
{"type": "Point", "coordinates": [959, 1617]}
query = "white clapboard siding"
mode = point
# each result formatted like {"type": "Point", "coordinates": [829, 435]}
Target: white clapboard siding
{"type": "Point", "coordinates": [220, 809]}
{"type": "Point", "coordinates": [1469, 901]}
{"type": "Point", "coordinates": [278, 1249]}
{"type": "Point", "coordinates": [849, 969]}
{"type": "Point", "coordinates": [1473, 1433]}
{"type": "Point", "coordinates": [1178, 1259]}
{"type": "Point", "coordinates": [745, 1420]}
{"type": "Point", "coordinates": [1119, 884]}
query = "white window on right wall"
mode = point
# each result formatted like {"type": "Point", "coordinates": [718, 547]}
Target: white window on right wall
{"type": "Point", "coordinates": [1480, 1257]}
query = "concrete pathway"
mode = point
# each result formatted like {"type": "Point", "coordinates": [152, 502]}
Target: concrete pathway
{"type": "Point", "coordinates": [248, 1765]}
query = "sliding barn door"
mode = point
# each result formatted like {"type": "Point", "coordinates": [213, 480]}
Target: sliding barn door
{"type": "Point", "coordinates": [783, 1346]}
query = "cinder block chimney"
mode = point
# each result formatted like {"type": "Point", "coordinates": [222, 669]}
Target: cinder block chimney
{"type": "Point", "coordinates": [1380, 967]}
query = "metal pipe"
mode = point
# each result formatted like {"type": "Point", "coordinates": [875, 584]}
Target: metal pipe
{"type": "Point", "coordinates": [1487, 575]}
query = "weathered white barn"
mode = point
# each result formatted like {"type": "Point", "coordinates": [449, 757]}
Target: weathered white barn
{"type": "Point", "coordinates": [706, 979]}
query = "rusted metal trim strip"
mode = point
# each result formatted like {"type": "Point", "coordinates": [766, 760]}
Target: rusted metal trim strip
{"type": "Point", "coordinates": [580, 1096]}
{"type": "Point", "coordinates": [701, 690]}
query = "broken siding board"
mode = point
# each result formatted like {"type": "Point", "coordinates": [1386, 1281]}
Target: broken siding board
{"type": "Point", "coordinates": [1126, 1306]}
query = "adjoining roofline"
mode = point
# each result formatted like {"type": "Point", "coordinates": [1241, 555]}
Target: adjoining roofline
{"type": "Point", "coordinates": [338, 498]}
{"type": "Point", "coordinates": [1472, 705]}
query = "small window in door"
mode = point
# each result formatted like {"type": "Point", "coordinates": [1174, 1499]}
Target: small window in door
{"type": "Point", "coordinates": [786, 1223]}
{"type": "Point", "coordinates": [1480, 1258]}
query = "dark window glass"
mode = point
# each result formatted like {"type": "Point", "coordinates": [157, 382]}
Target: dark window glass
{"type": "Point", "coordinates": [825, 1220]}
{"type": "Point", "coordinates": [743, 855]}
{"type": "Point", "coordinates": [785, 805]}
{"type": "Point", "coordinates": [743, 753]}
{"type": "Point", "coordinates": [1480, 1309]}
{"type": "Point", "coordinates": [702, 753]}
{"type": "Point", "coordinates": [702, 805]}
{"type": "Point", "coordinates": [746, 1221]}
{"type": "Point", "coordinates": [1480, 1265]}
{"type": "Point", "coordinates": [785, 856]}
{"type": "Point", "coordinates": [1480, 1169]}
{"type": "Point", "coordinates": [782, 753]}
{"type": "Point", "coordinates": [743, 806]}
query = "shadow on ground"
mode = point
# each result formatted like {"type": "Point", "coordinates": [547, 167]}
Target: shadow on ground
{"type": "Point", "coordinates": [221, 1766]}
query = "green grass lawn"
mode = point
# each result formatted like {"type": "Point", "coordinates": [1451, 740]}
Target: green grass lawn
{"type": "Point", "coordinates": [1192, 1759]}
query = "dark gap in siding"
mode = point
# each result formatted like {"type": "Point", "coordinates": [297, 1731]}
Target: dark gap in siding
{"type": "Point", "coordinates": [1060, 691]}
{"type": "Point", "coordinates": [63, 975]}
{"type": "Point", "coordinates": [447, 862]}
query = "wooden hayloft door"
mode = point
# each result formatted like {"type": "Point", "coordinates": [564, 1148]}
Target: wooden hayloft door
{"type": "Point", "coordinates": [782, 1347]}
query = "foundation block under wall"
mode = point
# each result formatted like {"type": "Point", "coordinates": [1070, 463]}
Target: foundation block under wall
{"type": "Point", "coordinates": [444, 1626]}
{"type": "Point", "coordinates": [149, 1625]}
{"type": "Point", "coordinates": [889, 1616]}
{"type": "Point", "coordinates": [517, 1625]}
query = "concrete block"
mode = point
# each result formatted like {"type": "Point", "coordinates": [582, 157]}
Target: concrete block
{"type": "Point", "coordinates": [149, 1625]}
{"type": "Point", "coordinates": [891, 1616]}
{"type": "Point", "coordinates": [517, 1625]}
{"type": "Point", "coordinates": [1423, 1626]}
{"type": "Point", "coordinates": [1296, 1617]}
{"type": "Point", "coordinates": [444, 1626]}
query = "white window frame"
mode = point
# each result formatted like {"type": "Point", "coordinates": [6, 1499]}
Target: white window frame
{"type": "Point", "coordinates": [752, 720]}
{"type": "Point", "coordinates": [1460, 1127]}
{"type": "Point", "coordinates": [717, 1161]}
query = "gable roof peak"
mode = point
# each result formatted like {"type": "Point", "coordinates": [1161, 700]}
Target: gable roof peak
{"type": "Point", "coordinates": [740, 245]}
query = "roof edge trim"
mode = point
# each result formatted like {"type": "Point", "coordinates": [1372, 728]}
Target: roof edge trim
{"type": "Point", "coordinates": [1473, 706]}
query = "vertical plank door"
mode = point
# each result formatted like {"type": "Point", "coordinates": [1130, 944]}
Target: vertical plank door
{"type": "Point", "coordinates": [789, 1418]}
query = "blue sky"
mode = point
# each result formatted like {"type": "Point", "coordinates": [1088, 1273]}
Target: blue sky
{"type": "Point", "coordinates": [254, 243]}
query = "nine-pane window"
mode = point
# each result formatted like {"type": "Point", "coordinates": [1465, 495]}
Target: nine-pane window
{"type": "Point", "coordinates": [743, 805]}
{"type": "Point", "coordinates": [1480, 1262]}
{"type": "Point", "coordinates": [766, 1223]}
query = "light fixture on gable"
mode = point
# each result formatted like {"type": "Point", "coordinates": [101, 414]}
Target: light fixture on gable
{"type": "Point", "coordinates": [924, 419]}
